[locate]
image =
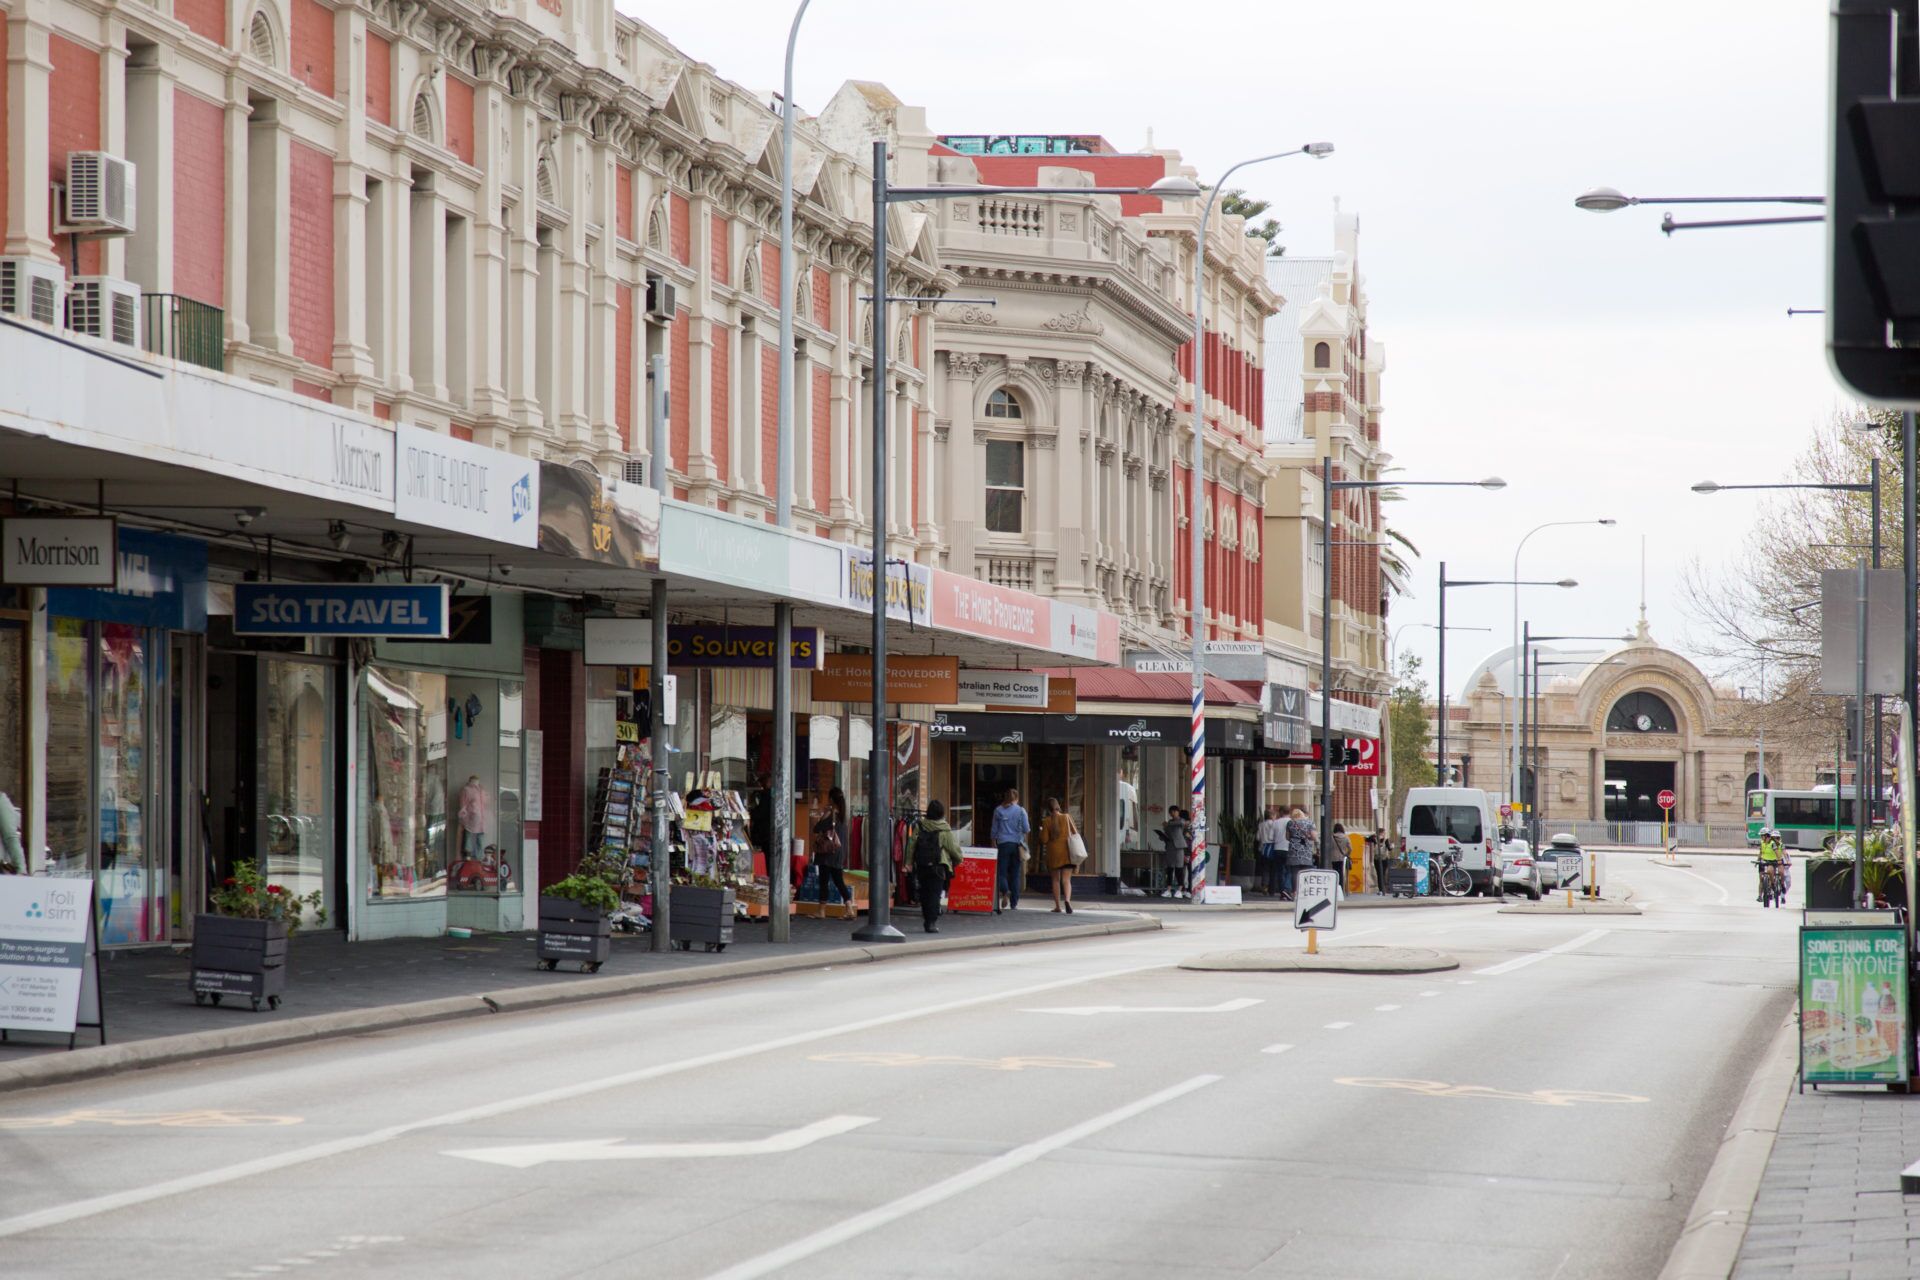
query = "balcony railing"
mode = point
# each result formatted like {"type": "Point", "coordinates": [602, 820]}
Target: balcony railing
{"type": "Point", "coordinates": [184, 329]}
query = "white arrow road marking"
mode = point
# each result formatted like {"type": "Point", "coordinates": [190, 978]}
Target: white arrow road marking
{"type": "Point", "coordinates": [613, 1149]}
{"type": "Point", "coordinates": [1088, 1010]}
{"type": "Point", "coordinates": [1521, 962]}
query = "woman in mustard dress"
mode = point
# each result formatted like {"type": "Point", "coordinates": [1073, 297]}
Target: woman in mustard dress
{"type": "Point", "coordinates": [1056, 831]}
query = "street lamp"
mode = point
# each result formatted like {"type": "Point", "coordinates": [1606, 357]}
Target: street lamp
{"type": "Point", "coordinates": [1607, 200]}
{"type": "Point", "coordinates": [1447, 584]}
{"type": "Point", "coordinates": [1608, 521]}
{"type": "Point", "coordinates": [879, 803]}
{"type": "Point", "coordinates": [1327, 487]}
{"type": "Point", "coordinates": [1196, 484]}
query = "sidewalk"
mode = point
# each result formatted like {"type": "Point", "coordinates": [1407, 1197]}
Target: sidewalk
{"type": "Point", "coordinates": [340, 988]}
{"type": "Point", "coordinates": [1260, 902]}
{"type": "Point", "coordinates": [1830, 1202]}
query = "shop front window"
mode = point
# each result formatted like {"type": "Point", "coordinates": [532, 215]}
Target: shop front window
{"type": "Point", "coordinates": [69, 747]}
{"type": "Point", "coordinates": [296, 776]}
{"type": "Point", "coordinates": [127, 880]}
{"type": "Point", "coordinates": [441, 758]}
{"type": "Point", "coordinates": [13, 728]}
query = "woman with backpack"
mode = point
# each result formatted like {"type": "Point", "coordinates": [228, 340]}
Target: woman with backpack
{"type": "Point", "coordinates": [1301, 839]}
{"type": "Point", "coordinates": [936, 852]}
{"type": "Point", "coordinates": [829, 847]}
{"type": "Point", "coordinates": [1056, 845]}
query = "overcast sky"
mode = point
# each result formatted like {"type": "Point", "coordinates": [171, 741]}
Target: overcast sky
{"type": "Point", "coordinates": [1598, 366]}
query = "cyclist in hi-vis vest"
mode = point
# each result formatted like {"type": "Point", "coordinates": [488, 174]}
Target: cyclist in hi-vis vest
{"type": "Point", "coordinates": [1773, 859]}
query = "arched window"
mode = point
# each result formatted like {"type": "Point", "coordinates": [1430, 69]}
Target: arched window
{"type": "Point", "coordinates": [260, 38]}
{"type": "Point", "coordinates": [422, 116]}
{"type": "Point", "coordinates": [1642, 712]}
{"type": "Point", "coordinates": [1004, 404]}
{"type": "Point", "coordinates": [1322, 356]}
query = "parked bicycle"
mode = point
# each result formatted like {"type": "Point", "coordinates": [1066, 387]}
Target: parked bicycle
{"type": "Point", "coordinates": [1447, 876]}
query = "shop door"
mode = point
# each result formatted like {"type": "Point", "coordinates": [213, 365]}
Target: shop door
{"type": "Point", "coordinates": [990, 776]}
{"type": "Point", "coordinates": [131, 865]}
{"type": "Point", "coordinates": [186, 780]}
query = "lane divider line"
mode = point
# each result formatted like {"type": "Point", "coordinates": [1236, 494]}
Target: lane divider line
{"type": "Point", "coordinates": [1385, 1008]}
{"type": "Point", "coordinates": [76, 1210]}
{"type": "Point", "coordinates": [884, 1215]}
{"type": "Point", "coordinates": [1535, 957]}
{"type": "Point", "coordinates": [1338, 1026]}
{"type": "Point", "coordinates": [1276, 1048]}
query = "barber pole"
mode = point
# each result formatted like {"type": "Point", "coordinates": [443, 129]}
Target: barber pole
{"type": "Point", "coordinates": [1197, 740]}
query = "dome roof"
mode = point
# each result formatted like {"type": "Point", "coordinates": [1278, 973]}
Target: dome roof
{"type": "Point", "coordinates": [1501, 665]}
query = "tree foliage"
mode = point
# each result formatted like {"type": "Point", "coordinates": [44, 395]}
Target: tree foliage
{"type": "Point", "coordinates": [1407, 730]}
{"type": "Point", "coordinates": [1760, 612]}
{"type": "Point", "coordinates": [1236, 201]}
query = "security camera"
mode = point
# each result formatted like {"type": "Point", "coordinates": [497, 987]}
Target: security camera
{"type": "Point", "coordinates": [390, 543]}
{"type": "Point", "coordinates": [247, 515]}
{"type": "Point", "coordinates": [337, 534]}
{"type": "Point", "coordinates": [506, 570]}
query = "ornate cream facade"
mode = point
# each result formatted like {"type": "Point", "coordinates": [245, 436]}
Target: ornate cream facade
{"type": "Point", "coordinates": [1633, 721]}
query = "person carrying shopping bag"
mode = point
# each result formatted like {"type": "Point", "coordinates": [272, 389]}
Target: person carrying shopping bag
{"type": "Point", "coordinates": [1060, 842]}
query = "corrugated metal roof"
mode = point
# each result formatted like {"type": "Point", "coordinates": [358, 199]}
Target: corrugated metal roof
{"type": "Point", "coordinates": [1115, 684]}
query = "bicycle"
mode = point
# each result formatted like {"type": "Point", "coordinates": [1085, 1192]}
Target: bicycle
{"type": "Point", "coordinates": [1447, 875]}
{"type": "Point", "coordinates": [1773, 883]}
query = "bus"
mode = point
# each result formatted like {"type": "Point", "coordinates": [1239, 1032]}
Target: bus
{"type": "Point", "coordinates": [1804, 819]}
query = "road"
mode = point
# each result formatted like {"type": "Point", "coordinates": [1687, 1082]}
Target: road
{"type": "Point", "coordinates": [1072, 1110]}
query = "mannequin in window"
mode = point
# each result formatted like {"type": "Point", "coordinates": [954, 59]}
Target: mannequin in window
{"type": "Point", "coordinates": [474, 806]}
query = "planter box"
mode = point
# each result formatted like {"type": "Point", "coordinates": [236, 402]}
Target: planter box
{"type": "Point", "coordinates": [569, 931]}
{"type": "Point", "coordinates": [702, 915]}
{"type": "Point", "coordinates": [1829, 884]}
{"type": "Point", "coordinates": [1402, 880]}
{"type": "Point", "coordinates": [246, 958]}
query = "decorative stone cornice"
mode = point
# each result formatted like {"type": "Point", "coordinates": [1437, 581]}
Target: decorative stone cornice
{"type": "Point", "coordinates": [1045, 439]}
{"type": "Point", "coordinates": [965, 364]}
{"type": "Point", "coordinates": [1080, 321]}
{"type": "Point", "coordinates": [971, 314]}
{"type": "Point", "coordinates": [1071, 372]}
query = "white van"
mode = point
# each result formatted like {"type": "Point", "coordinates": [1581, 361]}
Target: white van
{"type": "Point", "coordinates": [1438, 818]}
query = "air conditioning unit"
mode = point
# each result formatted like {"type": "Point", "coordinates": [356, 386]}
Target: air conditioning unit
{"type": "Point", "coordinates": [99, 193]}
{"type": "Point", "coordinates": [662, 301]}
{"type": "Point", "coordinates": [105, 307]}
{"type": "Point", "coordinates": [634, 471]}
{"type": "Point", "coordinates": [31, 289]}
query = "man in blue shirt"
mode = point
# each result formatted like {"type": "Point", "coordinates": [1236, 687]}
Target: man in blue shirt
{"type": "Point", "coordinates": [1009, 833]}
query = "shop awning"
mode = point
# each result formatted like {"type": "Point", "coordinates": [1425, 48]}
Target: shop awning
{"type": "Point", "coordinates": [1117, 684]}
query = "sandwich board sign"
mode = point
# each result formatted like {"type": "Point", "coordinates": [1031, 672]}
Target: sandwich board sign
{"type": "Point", "coordinates": [1313, 899]}
{"type": "Point", "coordinates": [49, 959]}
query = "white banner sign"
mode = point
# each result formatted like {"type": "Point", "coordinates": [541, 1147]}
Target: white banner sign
{"type": "Point", "coordinates": [1004, 688]}
{"type": "Point", "coordinates": [619, 642]}
{"type": "Point", "coordinates": [43, 951]}
{"type": "Point", "coordinates": [466, 487]}
{"type": "Point", "coordinates": [59, 551]}
{"type": "Point", "coordinates": [533, 774]}
{"type": "Point", "coordinates": [1076, 631]}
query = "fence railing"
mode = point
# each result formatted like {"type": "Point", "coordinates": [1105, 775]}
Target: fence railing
{"type": "Point", "coordinates": [1711, 834]}
{"type": "Point", "coordinates": [184, 329]}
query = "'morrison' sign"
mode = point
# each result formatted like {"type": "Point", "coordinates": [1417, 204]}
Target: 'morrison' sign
{"type": "Point", "coordinates": [59, 551]}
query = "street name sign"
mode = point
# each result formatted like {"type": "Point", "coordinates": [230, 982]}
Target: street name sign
{"type": "Point", "coordinates": [1313, 901]}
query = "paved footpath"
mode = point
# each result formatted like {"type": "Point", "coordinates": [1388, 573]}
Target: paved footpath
{"type": "Point", "coordinates": [148, 997]}
{"type": "Point", "coordinates": [1830, 1202]}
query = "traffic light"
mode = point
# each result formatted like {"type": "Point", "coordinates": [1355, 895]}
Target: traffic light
{"type": "Point", "coordinates": [1350, 756]}
{"type": "Point", "coordinates": [1873, 200]}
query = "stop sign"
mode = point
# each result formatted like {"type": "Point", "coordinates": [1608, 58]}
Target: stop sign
{"type": "Point", "coordinates": [1664, 799]}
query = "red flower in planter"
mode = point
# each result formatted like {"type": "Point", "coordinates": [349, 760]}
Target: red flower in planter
{"type": "Point", "coordinates": [274, 888]}
{"type": "Point", "coordinates": [229, 882]}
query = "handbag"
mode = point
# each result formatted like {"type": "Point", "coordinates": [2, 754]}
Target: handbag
{"type": "Point", "coordinates": [1076, 847]}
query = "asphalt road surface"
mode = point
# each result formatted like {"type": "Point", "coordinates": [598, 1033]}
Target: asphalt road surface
{"type": "Point", "coordinates": [1081, 1109]}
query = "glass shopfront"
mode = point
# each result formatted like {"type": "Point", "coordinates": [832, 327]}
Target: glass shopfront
{"type": "Point", "coordinates": [15, 640]}
{"type": "Point", "coordinates": [111, 736]}
{"type": "Point", "coordinates": [440, 758]}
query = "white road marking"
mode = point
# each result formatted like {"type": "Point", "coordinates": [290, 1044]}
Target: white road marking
{"type": "Point", "coordinates": [1521, 962]}
{"type": "Point", "coordinates": [1338, 1026]}
{"type": "Point", "coordinates": [1385, 1008]}
{"type": "Point", "coordinates": [1425, 994]}
{"type": "Point", "coordinates": [526, 1157]}
{"type": "Point", "coordinates": [1088, 1010]}
{"type": "Point", "coordinates": [1330, 936]}
{"type": "Point", "coordinates": [1715, 885]}
{"type": "Point", "coordinates": [886, 1214]}
{"type": "Point", "coordinates": [1276, 1048]}
{"type": "Point", "coordinates": [75, 1210]}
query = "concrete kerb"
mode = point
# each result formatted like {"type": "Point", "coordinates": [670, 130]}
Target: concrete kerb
{"type": "Point", "coordinates": [1580, 907]}
{"type": "Point", "coordinates": [139, 1055]}
{"type": "Point", "coordinates": [1709, 1243]}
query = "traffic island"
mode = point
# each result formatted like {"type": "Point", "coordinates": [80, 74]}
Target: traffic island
{"type": "Point", "coordinates": [1655, 860]}
{"type": "Point", "coordinates": [1556, 905]}
{"type": "Point", "coordinates": [1332, 960]}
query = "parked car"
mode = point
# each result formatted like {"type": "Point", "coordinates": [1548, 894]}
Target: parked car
{"type": "Point", "coordinates": [1521, 873]}
{"type": "Point", "coordinates": [1549, 865]}
{"type": "Point", "coordinates": [1434, 816]}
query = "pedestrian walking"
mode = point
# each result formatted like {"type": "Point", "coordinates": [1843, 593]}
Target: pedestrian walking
{"type": "Point", "coordinates": [1301, 842]}
{"type": "Point", "coordinates": [1056, 845]}
{"type": "Point", "coordinates": [1382, 859]}
{"type": "Point", "coordinates": [830, 847]}
{"type": "Point", "coordinates": [936, 852]}
{"type": "Point", "coordinates": [1177, 847]}
{"type": "Point", "coordinates": [1272, 839]}
{"type": "Point", "coordinates": [1010, 828]}
{"type": "Point", "coordinates": [1341, 851]}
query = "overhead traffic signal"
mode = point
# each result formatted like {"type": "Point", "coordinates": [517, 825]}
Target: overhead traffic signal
{"type": "Point", "coordinates": [1873, 200]}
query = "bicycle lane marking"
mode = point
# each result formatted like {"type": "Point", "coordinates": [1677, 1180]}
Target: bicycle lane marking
{"type": "Point", "coordinates": [1535, 957]}
{"type": "Point", "coordinates": [72, 1211]}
